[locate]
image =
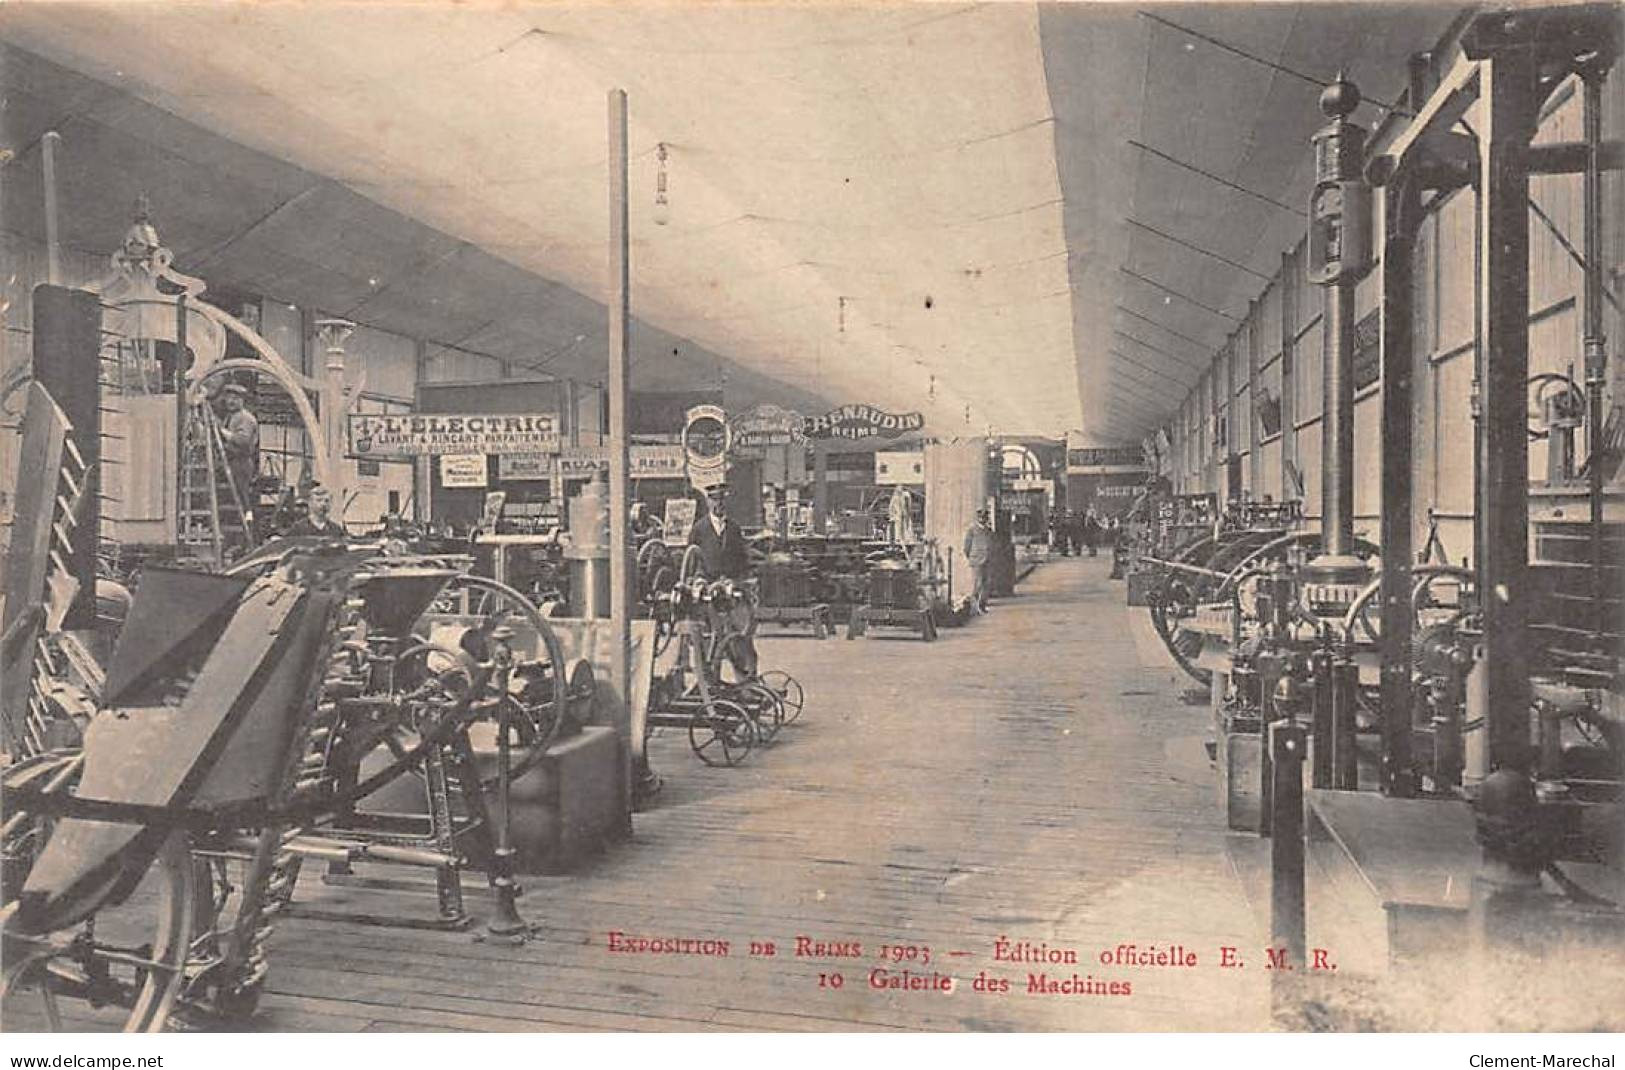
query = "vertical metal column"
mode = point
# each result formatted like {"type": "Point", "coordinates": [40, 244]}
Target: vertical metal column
{"type": "Point", "coordinates": [620, 587]}
{"type": "Point", "coordinates": [53, 247]}
{"type": "Point", "coordinates": [1337, 259]}
{"type": "Point", "coordinates": [1345, 731]}
{"type": "Point", "coordinates": [1507, 96]}
{"type": "Point", "coordinates": [333, 333]}
{"type": "Point", "coordinates": [1401, 216]}
{"type": "Point", "coordinates": [1285, 746]}
{"type": "Point", "coordinates": [1320, 671]}
{"type": "Point", "coordinates": [1337, 422]}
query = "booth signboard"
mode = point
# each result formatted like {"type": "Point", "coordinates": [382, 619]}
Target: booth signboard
{"type": "Point", "coordinates": [893, 467]}
{"type": "Point", "coordinates": [679, 518]}
{"type": "Point", "coordinates": [462, 470]}
{"type": "Point", "coordinates": [766, 425]}
{"type": "Point", "coordinates": [657, 462]}
{"type": "Point", "coordinates": [861, 421]}
{"type": "Point", "coordinates": [646, 462]}
{"type": "Point", "coordinates": [1105, 460]}
{"type": "Point", "coordinates": [521, 466]}
{"type": "Point", "coordinates": [382, 435]}
{"type": "Point", "coordinates": [581, 462]}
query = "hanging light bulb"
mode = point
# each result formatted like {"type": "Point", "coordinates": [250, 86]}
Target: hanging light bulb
{"type": "Point", "coordinates": [662, 213]}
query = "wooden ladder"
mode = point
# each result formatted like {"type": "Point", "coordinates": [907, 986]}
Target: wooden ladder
{"type": "Point", "coordinates": [211, 507]}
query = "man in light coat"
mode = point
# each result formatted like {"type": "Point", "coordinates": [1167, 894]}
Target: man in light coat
{"type": "Point", "coordinates": [978, 548]}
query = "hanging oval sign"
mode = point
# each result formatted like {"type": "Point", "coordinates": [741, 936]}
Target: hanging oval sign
{"type": "Point", "coordinates": [706, 440]}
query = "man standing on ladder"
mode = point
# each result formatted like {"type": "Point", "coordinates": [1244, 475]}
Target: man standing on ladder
{"type": "Point", "coordinates": [240, 433]}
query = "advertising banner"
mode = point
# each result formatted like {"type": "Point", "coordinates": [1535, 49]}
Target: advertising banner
{"type": "Point", "coordinates": [380, 435]}
{"type": "Point", "coordinates": [580, 462]}
{"type": "Point", "coordinates": [766, 425]}
{"type": "Point", "coordinates": [861, 421]}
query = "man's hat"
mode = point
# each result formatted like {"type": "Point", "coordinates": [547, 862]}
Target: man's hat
{"type": "Point", "coordinates": [235, 387]}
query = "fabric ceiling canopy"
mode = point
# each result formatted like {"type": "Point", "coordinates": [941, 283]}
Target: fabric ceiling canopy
{"type": "Point", "coordinates": [918, 206]}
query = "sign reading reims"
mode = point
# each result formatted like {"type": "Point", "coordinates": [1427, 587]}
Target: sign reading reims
{"type": "Point", "coordinates": [861, 421]}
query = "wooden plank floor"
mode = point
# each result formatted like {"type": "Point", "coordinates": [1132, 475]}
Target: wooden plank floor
{"type": "Point", "coordinates": [1034, 776]}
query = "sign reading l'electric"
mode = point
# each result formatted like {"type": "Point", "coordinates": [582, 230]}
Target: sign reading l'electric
{"type": "Point", "coordinates": [380, 435]}
{"type": "Point", "coordinates": [861, 421]}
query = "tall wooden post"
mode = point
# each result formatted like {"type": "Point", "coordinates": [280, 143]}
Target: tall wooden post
{"type": "Point", "coordinates": [1508, 101]}
{"type": "Point", "coordinates": [1401, 209]}
{"type": "Point", "coordinates": [620, 587]}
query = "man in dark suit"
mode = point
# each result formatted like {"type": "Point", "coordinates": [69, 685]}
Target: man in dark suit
{"type": "Point", "coordinates": [319, 518]}
{"type": "Point", "coordinates": [721, 543]}
{"type": "Point", "coordinates": [722, 553]}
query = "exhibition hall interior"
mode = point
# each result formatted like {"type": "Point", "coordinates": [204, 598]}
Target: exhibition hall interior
{"type": "Point", "coordinates": [945, 517]}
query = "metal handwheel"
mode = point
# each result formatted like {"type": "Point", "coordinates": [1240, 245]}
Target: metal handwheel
{"type": "Point", "coordinates": [537, 688]}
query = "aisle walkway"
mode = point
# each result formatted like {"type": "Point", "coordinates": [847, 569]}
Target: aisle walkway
{"type": "Point", "coordinates": [1034, 776]}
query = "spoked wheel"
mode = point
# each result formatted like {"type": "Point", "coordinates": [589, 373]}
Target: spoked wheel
{"type": "Point", "coordinates": [130, 957]}
{"type": "Point", "coordinates": [789, 690]}
{"type": "Point", "coordinates": [1176, 598]}
{"type": "Point", "coordinates": [764, 705]}
{"type": "Point", "coordinates": [723, 733]}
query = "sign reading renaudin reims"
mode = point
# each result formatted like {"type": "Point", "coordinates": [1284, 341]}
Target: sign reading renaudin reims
{"type": "Point", "coordinates": [861, 421]}
{"type": "Point", "coordinates": [378, 435]}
